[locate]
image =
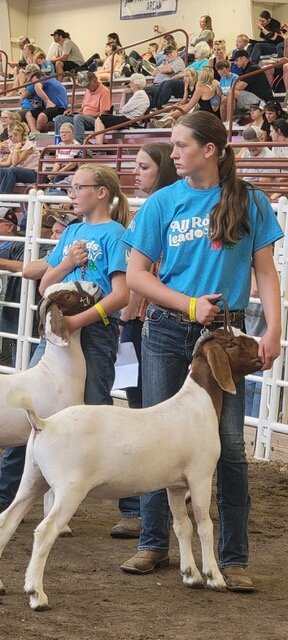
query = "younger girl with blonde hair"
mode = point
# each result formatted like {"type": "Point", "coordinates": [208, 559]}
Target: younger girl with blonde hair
{"type": "Point", "coordinates": [92, 250]}
{"type": "Point", "coordinates": [207, 95]}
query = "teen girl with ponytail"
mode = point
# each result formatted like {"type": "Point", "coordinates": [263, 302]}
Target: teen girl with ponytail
{"type": "Point", "coordinates": [207, 229]}
{"type": "Point", "coordinates": [93, 251]}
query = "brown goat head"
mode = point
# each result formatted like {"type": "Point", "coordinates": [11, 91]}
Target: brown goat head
{"type": "Point", "coordinates": [230, 358]}
{"type": "Point", "coordinates": [63, 300]}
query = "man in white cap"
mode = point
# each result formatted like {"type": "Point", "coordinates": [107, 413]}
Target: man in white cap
{"type": "Point", "coordinates": [253, 134]}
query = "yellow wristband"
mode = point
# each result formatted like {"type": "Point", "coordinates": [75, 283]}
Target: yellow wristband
{"type": "Point", "coordinates": [102, 313]}
{"type": "Point", "coordinates": [192, 309]}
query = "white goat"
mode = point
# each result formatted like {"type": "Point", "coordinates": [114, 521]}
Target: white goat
{"type": "Point", "coordinates": [123, 452]}
{"type": "Point", "coordinates": [58, 380]}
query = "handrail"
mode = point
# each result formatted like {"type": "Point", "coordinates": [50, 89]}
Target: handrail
{"type": "Point", "coordinates": [134, 44]}
{"type": "Point", "coordinates": [143, 118]}
{"type": "Point", "coordinates": [279, 63]}
{"type": "Point", "coordinates": [6, 66]}
{"type": "Point", "coordinates": [55, 75]}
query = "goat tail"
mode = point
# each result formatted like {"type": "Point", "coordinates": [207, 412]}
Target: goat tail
{"type": "Point", "coordinates": [22, 400]}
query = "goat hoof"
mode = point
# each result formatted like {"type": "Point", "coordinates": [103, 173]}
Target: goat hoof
{"type": "Point", "coordinates": [192, 581]}
{"type": "Point", "coordinates": [39, 606]}
{"type": "Point", "coordinates": [216, 585]}
{"type": "Point", "coordinates": [67, 533]}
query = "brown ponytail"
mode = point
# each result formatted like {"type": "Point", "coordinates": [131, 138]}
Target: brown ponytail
{"type": "Point", "coordinates": [229, 218]}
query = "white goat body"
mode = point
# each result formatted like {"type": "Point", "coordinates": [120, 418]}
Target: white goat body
{"type": "Point", "coordinates": [123, 451]}
{"type": "Point", "coordinates": [57, 381]}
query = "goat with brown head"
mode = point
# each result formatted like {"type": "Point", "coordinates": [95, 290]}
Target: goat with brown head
{"type": "Point", "coordinates": [60, 301]}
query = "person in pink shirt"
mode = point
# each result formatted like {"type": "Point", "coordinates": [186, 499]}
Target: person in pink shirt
{"type": "Point", "coordinates": [96, 100]}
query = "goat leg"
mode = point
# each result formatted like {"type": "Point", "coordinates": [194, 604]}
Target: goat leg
{"type": "Point", "coordinates": [184, 532]}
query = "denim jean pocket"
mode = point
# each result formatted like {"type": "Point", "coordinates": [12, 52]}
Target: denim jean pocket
{"type": "Point", "coordinates": [154, 314]}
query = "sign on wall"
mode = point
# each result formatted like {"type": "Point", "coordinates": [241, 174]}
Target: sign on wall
{"type": "Point", "coordinates": [131, 9]}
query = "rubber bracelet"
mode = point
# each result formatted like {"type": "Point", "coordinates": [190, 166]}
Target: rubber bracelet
{"type": "Point", "coordinates": [192, 309]}
{"type": "Point", "coordinates": [102, 313]}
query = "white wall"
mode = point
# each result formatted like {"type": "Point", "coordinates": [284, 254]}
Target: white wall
{"type": "Point", "coordinates": [89, 21]}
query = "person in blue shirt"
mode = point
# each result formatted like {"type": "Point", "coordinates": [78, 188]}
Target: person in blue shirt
{"type": "Point", "coordinates": [52, 93]}
{"type": "Point", "coordinates": [226, 80]}
{"type": "Point", "coordinates": [93, 251]}
{"type": "Point", "coordinates": [206, 228]}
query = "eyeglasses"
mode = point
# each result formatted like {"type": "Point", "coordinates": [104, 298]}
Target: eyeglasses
{"type": "Point", "coordinates": [76, 188]}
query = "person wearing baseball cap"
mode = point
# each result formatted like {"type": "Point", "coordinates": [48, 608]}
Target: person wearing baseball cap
{"type": "Point", "coordinates": [254, 134]}
{"type": "Point", "coordinates": [7, 217]}
{"type": "Point", "coordinates": [64, 219]}
{"type": "Point", "coordinates": [70, 57]}
{"type": "Point", "coordinates": [250, 90]}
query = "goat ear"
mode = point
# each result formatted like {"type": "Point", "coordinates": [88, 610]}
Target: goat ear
{"type": "Point", "coordinates": [55, 328]}
{"type": "Point", "coordinates": [219, 364]}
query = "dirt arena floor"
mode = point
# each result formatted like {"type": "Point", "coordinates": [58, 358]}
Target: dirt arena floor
{"type": "Point", "coordinates": [91, 598]}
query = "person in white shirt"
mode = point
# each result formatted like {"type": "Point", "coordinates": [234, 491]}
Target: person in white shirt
{"type": "Point", "coordinates": [136, 106]}
{"type": "Point", "coordinates": [258, 174]}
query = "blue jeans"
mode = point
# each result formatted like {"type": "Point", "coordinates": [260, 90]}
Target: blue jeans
{"type": "Point", "coordinates": [167, 346]}
{"type": "Point", "coordinates": [10, 175]}
{"type": "Point", "coordinates": [80, 123]}
{"type": "Point", "coordinates": [262, 49]}
{"type": "Point", "coordinates": [253, 396]}
{"type": "Point", "coordinates": [100, 346]}
{"type": "Point", "coordinates": [130, 507]}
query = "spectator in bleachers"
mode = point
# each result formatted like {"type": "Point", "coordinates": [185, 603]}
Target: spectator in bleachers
{"type": "Point", "coordinates": [96, 100]}
{"type": "Point", "coordinates": [62, 166]}
{"type": "Point", "coordinates": [259, 119]}
{"type": "Point", "coordinates": [279, 133]}
{"type": "Point", "coordinates": [251, 89]}
{"type": "Point", "coordinates": [22, 162]}
{"type": "Point", "coordinates": [254, 134]}
{"type": "Point", "coordinates": [273, 111]}
{"type": "Point", "coordinates": [136, 106]}
{"type": "Point", "coordinates": [205, 34]}
{"type": "Point", "coordinates": [207, 95]}
{"type": "Point", "coordinates": [71, 57]}
{"type": "Point", "coordinates": [176, 87]}
{"type": "Point", "coordinates": [241, 43]}
{"type": "Point", "coordinates": [54, 97]}
{"type": "Point", "coordinates": [226, 80]}
{"type": "Point", "coordinates": [104, 71]}
{"type": "Point", "coordinates": [114, 38]}
{"type": "Point", "coordinates": [179, 88]}
{"type": "Point", "coordinates": [46, 66]}
{"type": "Point", "coordinates": [202, 53]}
{"type": "Point", "coordinates": [166, 41]}
{"type": "Point", "coordinates": [6, 121]}
{"type": "Point", "coordinates": [269, 33]}
{"type": "Point", "coordinates": [219, 54]}
{"type": "Point", "coordinates": [173, 65]}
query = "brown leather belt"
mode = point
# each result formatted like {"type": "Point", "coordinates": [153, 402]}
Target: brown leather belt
{"type": "Point", "coordinates": [235, 316]}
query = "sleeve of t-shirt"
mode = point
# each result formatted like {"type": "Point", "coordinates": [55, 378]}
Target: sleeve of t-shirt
{"type": "Point", "coordinates": [66, 49]}
{"type": "Point", "coordinates": [117, 260]}
{"type": "Point", "coordinates": [177, 65]}
{"type": "Point", "coordinates": [267, 227]}
{"type": "Point", "coordinates": [144, 232]}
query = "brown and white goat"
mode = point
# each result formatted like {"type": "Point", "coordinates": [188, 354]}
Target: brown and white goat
{"type": "Point", "coordinates": [120, 452]}
{"type": "Point", "coordinates": [58, 380]}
